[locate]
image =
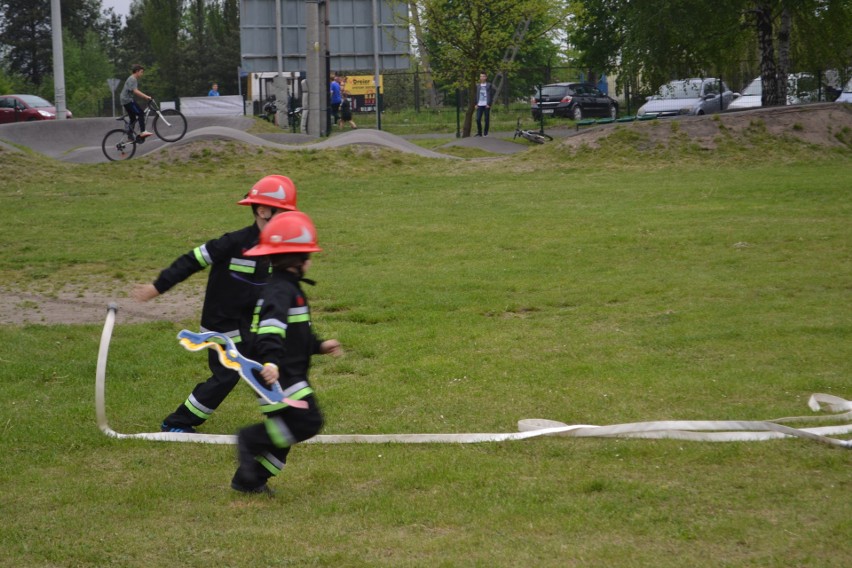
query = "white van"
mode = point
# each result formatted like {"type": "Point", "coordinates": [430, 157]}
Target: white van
{"type": "Point", "coordinates": [846, 95]}
{"type": "Point", "coordinates": [798, 92]}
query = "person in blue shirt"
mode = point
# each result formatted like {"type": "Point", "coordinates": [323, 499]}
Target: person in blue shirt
{"type": "Point", "coordinates": [336, 99]}
{"type": "Point", "coordinates": [214, 91]}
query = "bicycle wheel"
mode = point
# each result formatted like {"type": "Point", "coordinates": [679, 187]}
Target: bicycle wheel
{"type": "Point", "coordinates": [170, 125]}
{"type": "Point", "coordinates": [118, 145]}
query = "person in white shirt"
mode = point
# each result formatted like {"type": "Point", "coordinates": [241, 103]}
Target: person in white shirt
{"type": "Point", "coordinates": [483, 104]}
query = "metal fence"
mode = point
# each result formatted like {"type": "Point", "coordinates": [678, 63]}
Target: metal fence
{"type": "Point", "coordinates": [408, 90]}
{"type": "Point", "coordinates": [410, 104]}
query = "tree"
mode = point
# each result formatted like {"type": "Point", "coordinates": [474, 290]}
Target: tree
{"type": "Point", "coordinates": [197, 47]}
{"type": "Point", "coordinates": [414, 9]}
{"type": "Point", "coordinates": [762, 14]}
{"type": "Point", "coordinates": [223, 29]}
{"type": "Point", "coordinates": [657, 40]}
{"type": "Point", "coordinates": [87, 69]}
{"type": "Point", "coordinates": [183, 44]}
{"type": "Point", "coordinates": [134, 45]}
{"type": "Point", "coordinates": [821, 37]}
{"type": "Point", "coordinates": [162, 21]}
{"type": "Point", "coordinates": [638, 39]}
{"type": "Point", "coordinates": [814, 33]}
{"type": "Point", "coordinates": [25, 35]}
{"type": "Point", "coordinates": [467, 37]}
{"type": "Point", "coordinates": [80, 18]}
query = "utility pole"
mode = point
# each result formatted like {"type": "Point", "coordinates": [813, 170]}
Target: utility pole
{"type": "Point", "coordinates": [58, 60]}
{"type": "Point", "coordinates": [376, 65]}
{"type": "Point", "coordinates": [315, 61]}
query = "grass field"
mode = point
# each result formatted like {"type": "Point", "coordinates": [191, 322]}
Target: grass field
{"type": "Point", "coordinates": [589, 287]}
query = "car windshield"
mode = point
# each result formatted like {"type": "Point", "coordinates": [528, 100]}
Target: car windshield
{"type": "Point", "coordinates": [754, 88]}
{"type": "Point", "coordinates": [680, 90]}
{"type": "Point", "coordinates": [35, 102]}
{"type": "Point", "coordinates": [552, 91]}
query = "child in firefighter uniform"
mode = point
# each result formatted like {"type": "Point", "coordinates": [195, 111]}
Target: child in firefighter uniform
{"type": "Point", "coordinates": [283, 340]}
{"type": "Point", "coordinates": [233, 288]}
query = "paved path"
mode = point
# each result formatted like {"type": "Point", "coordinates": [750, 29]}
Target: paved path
{"type": "Point", "coordinates": [79, 140]}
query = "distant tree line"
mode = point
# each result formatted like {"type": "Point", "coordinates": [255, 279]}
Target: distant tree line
{"type": "Point", "coordinates": [649, 42]}
{"type": "Point", "coordinates": [185, 46]}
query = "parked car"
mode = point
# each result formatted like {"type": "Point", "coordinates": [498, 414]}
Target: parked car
{"type": "Point", "coordinates": [24, 108]}
{"type": "Point", "coordinates": [572, 100]}
{"type": "Point", "coordinates": [689, 97]}
{"type": "Point", "coordinates": [801, 88]}
{"type": "Point", "coordinates": [846, 95]}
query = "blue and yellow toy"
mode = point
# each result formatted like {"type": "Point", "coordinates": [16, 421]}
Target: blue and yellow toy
{"type": "Point", "coordinates": [231, 358]}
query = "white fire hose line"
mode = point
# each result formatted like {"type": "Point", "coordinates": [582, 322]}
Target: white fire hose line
{"type": "Point", "coordinates": [688, 430]}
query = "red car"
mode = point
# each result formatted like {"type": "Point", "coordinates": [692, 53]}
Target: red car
{"type": "Point", "coordinates": [23, 108]}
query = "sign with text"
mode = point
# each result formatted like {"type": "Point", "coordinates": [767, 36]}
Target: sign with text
{"type": "Point", "coordinates": [362, 90]}
{"type": "Point", "coordinates": [362, 84]}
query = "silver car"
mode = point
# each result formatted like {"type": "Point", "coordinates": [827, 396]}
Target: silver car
{"type": "Point", "coordinates": [689, 97]}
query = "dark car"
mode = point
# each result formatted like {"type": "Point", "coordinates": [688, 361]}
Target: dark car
{"type": "Point", "coordinates": [573, 100]}
{"type": "Point", "coordinates": [24, 108]}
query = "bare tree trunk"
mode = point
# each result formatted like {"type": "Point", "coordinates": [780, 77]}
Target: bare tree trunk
{"type": "Point", "coordinates": [469, 110]}
{"type": "Point", "coordinates": [783, 55]}
{"type": "Point", "coordinates": [768, 70]}
{"type": "Point", "coordinates": [425, 60]}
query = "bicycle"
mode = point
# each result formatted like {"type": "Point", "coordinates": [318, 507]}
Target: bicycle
{"type": "Point", "coordinates": [120, 144]}
{"type": "Point", "coordinates": [536, 137]}
{"type": "Point", "coordinates": [294, 113]}
{"type": "Point", "coordinates": [270, 110]}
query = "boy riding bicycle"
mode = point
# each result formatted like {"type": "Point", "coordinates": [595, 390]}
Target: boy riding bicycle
{"type": "Point", "coordinates": [131, 88]}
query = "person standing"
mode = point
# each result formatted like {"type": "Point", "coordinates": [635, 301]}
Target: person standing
{"type": "Point", "coordinates": [233, 287]}
{"type": "Point", "coordinates": [336, 99]}
{"type": "Point", "coordinates": [346, 112]}
{"type": "Point", "coordinates": [214, 90]}
{"type": "Point", "coordinates": [306, 105]}
{"type": "Point", "coordinates": [483, 104]}
{"type": "Point", "coordinates": [283, 340]}
{"type": "Point", "coordinates": [128, 99]}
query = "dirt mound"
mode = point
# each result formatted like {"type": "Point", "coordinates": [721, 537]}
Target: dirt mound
{"type": "Point", "coordinates": [72, 306]}
{"type": "Point", "coordinates": [824, 124]}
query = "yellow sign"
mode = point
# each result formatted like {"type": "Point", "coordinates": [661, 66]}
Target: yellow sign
{"type": "Point", "coordinates": [361, 84]}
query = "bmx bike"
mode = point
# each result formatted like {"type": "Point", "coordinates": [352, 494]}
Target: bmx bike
{"type": "Point", "coordinates": [120, 144]}
{"type": "Point", "coordinates": [535, 137]}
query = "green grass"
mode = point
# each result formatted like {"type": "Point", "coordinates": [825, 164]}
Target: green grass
{"type": "Point", "coordinates": [593, 287]}
{"type": "Point", "coordinates": [446, 119]}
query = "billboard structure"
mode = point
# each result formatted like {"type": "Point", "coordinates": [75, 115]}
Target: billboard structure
{"type": "Point", "coordinates": [350, 35]}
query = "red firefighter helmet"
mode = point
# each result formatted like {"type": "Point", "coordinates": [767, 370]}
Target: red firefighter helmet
{"type": "Point", "coordinates": [273, 191]}
{"type": "Point", "coordinates": [287, 232]}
